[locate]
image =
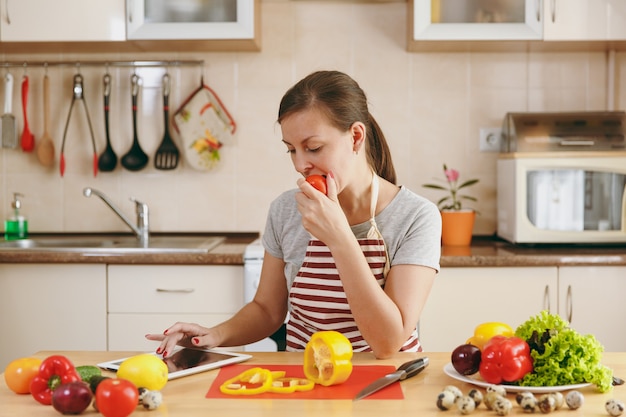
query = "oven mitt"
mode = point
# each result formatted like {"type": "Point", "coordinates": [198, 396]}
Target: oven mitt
{"type": "Point", "coordinates": [204, 125]}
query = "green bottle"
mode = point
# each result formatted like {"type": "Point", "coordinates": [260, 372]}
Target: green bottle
{"type": "Point", "coordinates": [16, 226]}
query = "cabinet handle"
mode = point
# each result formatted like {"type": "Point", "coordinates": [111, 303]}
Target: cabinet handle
{"type": "Point", "coordinates": [546, 298]}
{"type": "Point", "coordinates": [180, 290]}
{"type": "Point", "coordinates": [569, 304]}
{"type": "Point", "coordinates": [538, 10]}
{"type": "Point", "coordinates": [553, 10]}
{"type": "Point", "coordinates": [131, 3]}
{"type": "Point", "coordinates": [6, 6]}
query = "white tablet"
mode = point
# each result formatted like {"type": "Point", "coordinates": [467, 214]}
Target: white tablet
{"type": "Point", "coordinates": [188, 361]}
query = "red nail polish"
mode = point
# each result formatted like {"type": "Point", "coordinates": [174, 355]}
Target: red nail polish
{"type": "Point", "coordinates": [165, 332]}
{"type": "Point", "coordinates": [158, 350]}
{"type": "Point", "coordinates": [195, 340]}
{"type": "Point", "coordinates": [164, 354]}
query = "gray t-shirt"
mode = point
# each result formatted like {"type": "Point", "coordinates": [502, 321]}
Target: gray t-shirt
{"type": "Point", "coordinates": [410, 225]}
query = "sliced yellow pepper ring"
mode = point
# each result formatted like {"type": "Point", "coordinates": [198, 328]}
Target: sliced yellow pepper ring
{"type": "Point", "coordinates": [328, 358]}
{"type": "Point", "coordinates": [250, 382]}
{"type": "Point", "coordinates": [287, 385]}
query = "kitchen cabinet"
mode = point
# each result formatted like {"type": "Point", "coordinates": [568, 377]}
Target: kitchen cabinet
{"type": "Point", "coordinates": [462, 298]}
{"type": "Point", "coordinates": [542, 21]}
{"type": "Point", "coordinates": [591, 298]}
{"type": "Point", "coordinates": [51, 306]}
{"type": "Point", "coordinates": [150, 298]}
{"type": "Point", "coordinates": [62, 20]}
{"type": "Point", "coordinates": [191, 19]}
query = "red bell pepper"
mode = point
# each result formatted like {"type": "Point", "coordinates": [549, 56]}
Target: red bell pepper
{"type": "Point", "coordinates": [505, 359]}
{"type": "Point", "coordinates": [54, 371]}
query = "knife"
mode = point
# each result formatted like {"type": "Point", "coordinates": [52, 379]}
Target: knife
{"type": "Point", "coordinates": [404, 371]}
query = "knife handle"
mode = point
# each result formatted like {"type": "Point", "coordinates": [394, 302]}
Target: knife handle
{"type": "Point", "coordinates": [414, 367]}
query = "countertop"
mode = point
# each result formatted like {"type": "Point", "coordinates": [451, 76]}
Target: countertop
{"type": "Point", "coordinates": [186, 396]}
{"type": "Point", "coordinates": [483, 252]}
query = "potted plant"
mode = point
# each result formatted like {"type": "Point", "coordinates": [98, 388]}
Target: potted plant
{"type": "Point", "coordinates": [457, 222]}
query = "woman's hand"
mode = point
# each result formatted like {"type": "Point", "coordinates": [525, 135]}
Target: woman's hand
{"type": "Point", "coordinates": [321, 214]}
{"type": "Point", "coordinates": [184, 334]}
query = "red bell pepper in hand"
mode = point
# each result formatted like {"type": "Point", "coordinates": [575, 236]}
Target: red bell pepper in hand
{"type": "Point", "coordinates": [505, 359]}
{"type": "Point", "coordinates": [54, 371]}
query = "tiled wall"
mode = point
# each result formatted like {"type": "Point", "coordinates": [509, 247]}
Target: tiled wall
{"type": "Point", "coordinates": [430, 105]}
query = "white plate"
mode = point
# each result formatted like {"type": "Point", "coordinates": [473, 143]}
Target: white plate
{"type": "Point", "coordinates": [451, 372]}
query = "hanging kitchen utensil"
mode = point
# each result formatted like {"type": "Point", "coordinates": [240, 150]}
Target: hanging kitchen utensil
{"type": "Point", "coordinates": [203, 124]}
{"type": "Point", "coordinates": [135, 159]}
{"type": "Point", "coordinates": [9, 125]}
{"type": "Point", "coordinates": [45, 150]}
{"type": "Point", "coordinates": [28, 139]}
{"type": "Point", "coordinates": [108, 159]}
{"type": "Point", "coordinates": [167, 154]}
{"type": "Point", "coordinates": [78, 95]}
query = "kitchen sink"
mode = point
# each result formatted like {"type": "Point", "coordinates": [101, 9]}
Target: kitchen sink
{"type": "Point", "coordinates": [115, 244]}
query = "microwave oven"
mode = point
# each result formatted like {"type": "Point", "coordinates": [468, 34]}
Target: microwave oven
{"type": "Point", "coordinates": [561, 179]}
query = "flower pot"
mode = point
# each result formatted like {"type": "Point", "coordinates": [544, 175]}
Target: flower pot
{"type": "Point", "coordinates": [456, 227]}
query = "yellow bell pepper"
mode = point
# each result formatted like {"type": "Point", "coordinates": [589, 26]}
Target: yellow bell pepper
{"type": "Point", "coordinates": [250, 382]}
{"type": "Point", "coordinates": [287, 385]}
{"type": "Point", "coordinates": [485, 331]}
{"type": "Point", "coordinates": [328, 358]}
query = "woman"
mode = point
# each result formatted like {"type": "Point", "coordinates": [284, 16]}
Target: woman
{"type": "Point", "coordinates": [360, 260]}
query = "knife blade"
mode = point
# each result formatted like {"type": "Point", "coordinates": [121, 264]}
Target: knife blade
{"type": "Point", "coordinates": [404, 371]}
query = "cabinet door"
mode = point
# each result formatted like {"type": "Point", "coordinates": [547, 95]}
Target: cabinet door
{"type": "Point", "coordinates": [591, 298]}
{"type": "Point", "coordinates": [188, 19]}
{"type": "Point", "coordinates": [150, 298]}
{"type": "Point", "coordinates": [51, 307]}
{"type": "Point", "coordinates": [575, 20]}
{"type": "Point", "coordinates": [62, 20]}
{"type": "Point", "coordinates": [476, 20]}
{"type": "Point", "coordinates": [463, 298]}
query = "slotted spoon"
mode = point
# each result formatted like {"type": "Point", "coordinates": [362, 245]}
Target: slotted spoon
{"type": "Point", "coordinates": [167, 154]}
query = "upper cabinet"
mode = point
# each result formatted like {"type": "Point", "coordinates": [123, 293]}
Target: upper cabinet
{"type": "Point", "coordinates": [129, 25]}
{"type": "Point", "coordinates": [62, 20]}
{"type": "Point", "coordinates": [190, 19]}
{"type": "Point", "coordinates": [538, 21]}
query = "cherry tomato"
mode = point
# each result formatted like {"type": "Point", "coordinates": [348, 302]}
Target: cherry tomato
{"type": "Point", "coordinates": [116, 397]}
{"type": "Point", "coordinates": [20, 372]}
{"type": "Point", "coordinates": [318, 181]}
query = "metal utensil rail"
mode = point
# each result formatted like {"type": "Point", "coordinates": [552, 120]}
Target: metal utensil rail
{"type": "Point", "coordinates": [128, 64]}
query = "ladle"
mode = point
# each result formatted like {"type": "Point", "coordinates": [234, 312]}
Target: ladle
{"type": "Point", "coordinates": [135, 159]}
{"type": "Point", "coordinates": [108, 158]}
{"type": "Point", "coordinates": [45, 150]}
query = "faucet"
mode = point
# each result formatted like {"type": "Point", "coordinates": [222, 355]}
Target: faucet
{"type": "Point", "coordinates": [141, 229]}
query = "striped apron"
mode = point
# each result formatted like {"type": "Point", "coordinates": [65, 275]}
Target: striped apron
{"type": "Point", "coordinates": [317, 298]}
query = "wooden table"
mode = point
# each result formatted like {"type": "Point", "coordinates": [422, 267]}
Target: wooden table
{"type": "Point", "coordinates": [186, 396]}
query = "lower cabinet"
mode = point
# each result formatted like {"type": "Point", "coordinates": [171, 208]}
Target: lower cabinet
{"type": "Point", "coordinates": [150, 298]}
{"type": "Point", "coordinates": [462, 298]}
{"type": "Point", "coordinates": [51, 307]}
{"type": "Point", "coordinates": [589, 297]}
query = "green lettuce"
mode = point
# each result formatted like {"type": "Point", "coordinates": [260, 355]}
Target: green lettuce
{"type": "Point", "coordinates": [562, 356]}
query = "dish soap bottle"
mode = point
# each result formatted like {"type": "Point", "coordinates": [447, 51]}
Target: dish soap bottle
{"type": "Point", "coordinates": [16, 226]}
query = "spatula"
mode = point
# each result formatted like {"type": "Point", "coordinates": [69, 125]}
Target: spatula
{"type": "Point", "coordinates": [9, 127]}
{"type": "Point", "coordinates": [167, 154]}
{"type": "Point", "coordinates": [45, 150]}
{"type": "Point", "coordinates": [28, 139]}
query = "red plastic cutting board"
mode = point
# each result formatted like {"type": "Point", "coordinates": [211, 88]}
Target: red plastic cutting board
{"type": "Point", "coordinates": [362, 375]}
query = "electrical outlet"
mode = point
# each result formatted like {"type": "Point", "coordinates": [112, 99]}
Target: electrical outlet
{"type": "Point", "coordinates": [490, 139]}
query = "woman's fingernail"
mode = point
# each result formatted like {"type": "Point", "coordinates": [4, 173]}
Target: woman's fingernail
{"type": "Point", "coordinates": [158, 350]}
{"type": "Point", "coordinates": [196, 341]}
{"type": "Point", "coordinates": [165, 332]}
{"type": "Point", "coordinates": [164, 354]}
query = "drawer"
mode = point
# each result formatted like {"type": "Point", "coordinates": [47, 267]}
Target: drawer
{"type": "Point", "coordinates": [213, 289]}
{"type": "Point", "coordinates": [127, 331]}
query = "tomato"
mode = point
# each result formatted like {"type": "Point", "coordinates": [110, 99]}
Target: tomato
{"type": "Point", "coordinates": [20, 372]}
{"type": "Point", "coordinates": [116, 397]}
{"type": "Point", "coordinates": [318, 181]}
